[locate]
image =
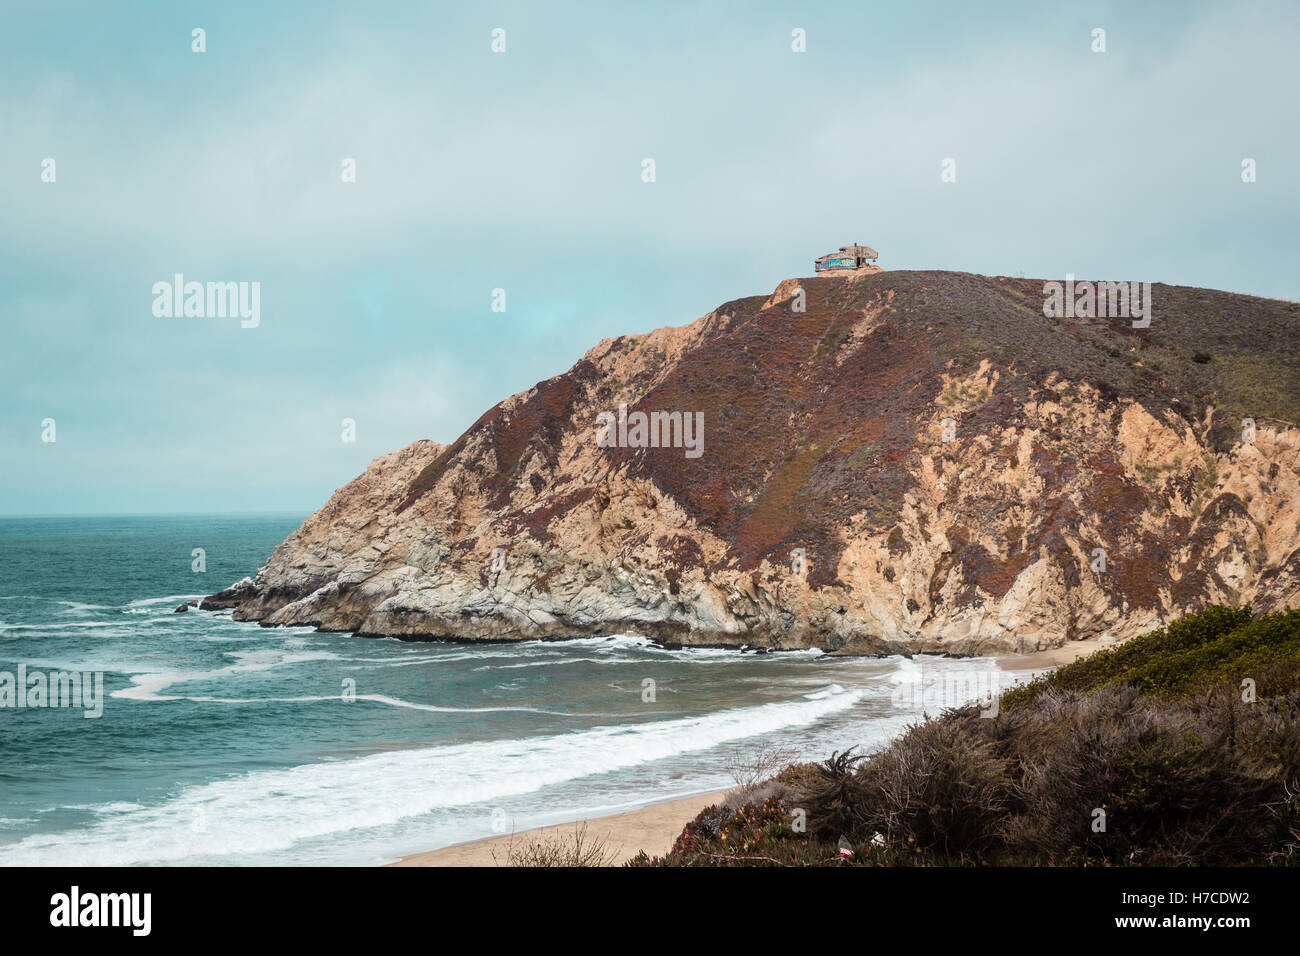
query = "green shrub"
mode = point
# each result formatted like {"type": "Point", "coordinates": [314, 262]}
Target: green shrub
{"type": "Point", "coordinates": [1149, 753]}
{"type": "Point", "coordinates": [1144, 660]}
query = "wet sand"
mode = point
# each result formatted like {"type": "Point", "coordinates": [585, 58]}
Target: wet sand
{"type": "Point", "coordinates": [652, 828]}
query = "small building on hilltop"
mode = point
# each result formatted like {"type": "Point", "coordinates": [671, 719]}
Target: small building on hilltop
{"type": "Point", "coordinates": [848, 258]}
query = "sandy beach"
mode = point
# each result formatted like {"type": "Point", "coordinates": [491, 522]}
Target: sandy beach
{"type": "Point", "coordinates": [652, 828]}
{"type": "Point", "coordinates": [1054, 657]}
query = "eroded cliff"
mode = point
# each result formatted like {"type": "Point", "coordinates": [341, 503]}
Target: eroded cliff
{"type": "Point", "coordinates": [917, 461]}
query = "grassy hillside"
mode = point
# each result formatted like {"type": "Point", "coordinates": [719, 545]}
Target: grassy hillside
{"type": "Point", "coordinates": [1215, 649]}
{"type": "Point", "coordinates": [1180, 747]}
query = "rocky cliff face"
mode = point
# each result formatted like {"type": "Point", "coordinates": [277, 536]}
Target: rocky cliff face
{"type": "Point", "coordinates": [919, 461]}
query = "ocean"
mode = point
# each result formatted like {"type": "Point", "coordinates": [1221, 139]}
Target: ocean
{"type": "Point", "coordinates": [226, 743]}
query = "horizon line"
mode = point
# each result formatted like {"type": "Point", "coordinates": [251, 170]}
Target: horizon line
{"type": "Point", "coordinates": [150, 514]}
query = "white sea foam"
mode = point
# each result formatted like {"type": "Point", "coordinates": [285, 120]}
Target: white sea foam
{"type": "Point", "coordinates": [65, 625]}
{"type": "Point", "coordinates": [122, 806]}
{"type": "Point", "coordinates": [554, 662]}
{"type": "Point", "coordinates": [74, 607]}
{"type": "Point", "coordinates": [613, 640]}
{"type": "Point", "coordinates": [617, 646]}
{"type": "Point", "coordinates": [149, 602]}
{"type": "Point", "coordinates": [148, 686]}
{"type": "Point", "coordinates": [504, 652]}
{"type": "Point", "coordinates": [380, 699]}
{"type": "Point", "coordinates": [273, 810]}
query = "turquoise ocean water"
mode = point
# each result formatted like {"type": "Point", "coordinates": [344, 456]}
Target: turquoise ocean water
{"type": "Point", "coordinates": [222, 742]}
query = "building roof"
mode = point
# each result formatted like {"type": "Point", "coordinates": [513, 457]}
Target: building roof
{"type": "Point", "coordinates": [866, 252]}
{"type": "Point", "coordinates": [855, 252]}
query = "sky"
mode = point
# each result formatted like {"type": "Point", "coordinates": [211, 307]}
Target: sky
{"type": "Point", "coordinates": [523, 170]}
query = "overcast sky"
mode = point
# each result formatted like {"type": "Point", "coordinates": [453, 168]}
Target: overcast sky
{"type": "Point", "coordinates": [522, 170]}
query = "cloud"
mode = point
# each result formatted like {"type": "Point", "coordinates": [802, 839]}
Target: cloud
{"type": "Point", "coordinates": [523, 171]}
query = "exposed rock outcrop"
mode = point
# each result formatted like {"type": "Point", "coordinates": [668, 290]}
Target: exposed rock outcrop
{"type": "Point", "coordinates": [920, 461]}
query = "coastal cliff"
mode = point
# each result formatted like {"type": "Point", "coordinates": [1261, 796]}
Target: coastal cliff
{"type": "Point", "coordinates": [916, 461]}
